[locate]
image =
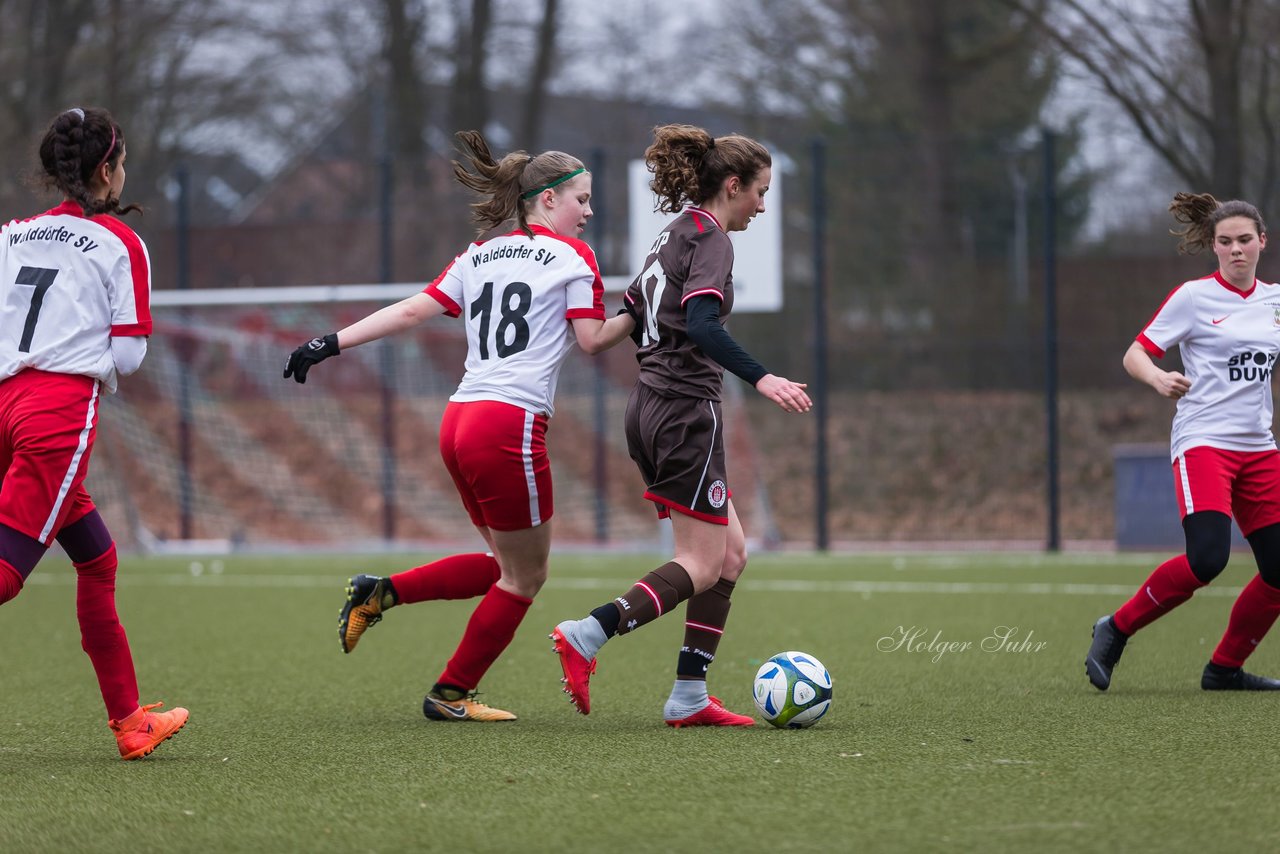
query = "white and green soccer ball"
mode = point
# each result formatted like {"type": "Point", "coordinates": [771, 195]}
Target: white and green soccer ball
{"type": "Point", "coordinates": [792, 690]}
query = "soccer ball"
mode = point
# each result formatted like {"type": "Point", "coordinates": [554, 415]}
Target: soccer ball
{"type": "Point", "coordinates": [792, 690]}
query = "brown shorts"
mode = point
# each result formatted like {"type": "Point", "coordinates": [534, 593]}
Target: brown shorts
{"type": "Point", "coordinates": [678, 443]}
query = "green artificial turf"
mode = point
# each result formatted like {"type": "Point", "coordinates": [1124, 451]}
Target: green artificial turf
{"type": "Point", "coordinates": [930, 745]}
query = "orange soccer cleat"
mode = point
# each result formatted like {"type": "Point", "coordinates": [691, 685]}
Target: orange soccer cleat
{"type": "Point", "coordinates": [142, 732]}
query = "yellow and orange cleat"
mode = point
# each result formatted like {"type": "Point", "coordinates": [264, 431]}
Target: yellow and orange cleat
{"type": "Point", "coordinates": [464, 708]}
{"type": "Point", "coordinates": [362, 610]}
{"type": "Point", "coordinates": [142, 732]}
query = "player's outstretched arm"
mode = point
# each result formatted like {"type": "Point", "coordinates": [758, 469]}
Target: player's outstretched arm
{"type": "Point", "coordinates": [791, 396]}
{"type": "Point", "coordinates": [596, 336]}
{"type": "Point", "coordinates": [407, 313]}
{"type": "Point", "coordinates": [702, 315]}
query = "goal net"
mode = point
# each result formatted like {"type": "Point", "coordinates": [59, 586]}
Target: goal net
{"type": "Point", "coordinates": [208, 448]}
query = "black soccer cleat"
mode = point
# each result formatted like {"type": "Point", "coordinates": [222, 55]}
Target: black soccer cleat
{"type": "Point", "coordinates": [1218, 678]}
{"type": "Point", "coordinates": [1104, 652]}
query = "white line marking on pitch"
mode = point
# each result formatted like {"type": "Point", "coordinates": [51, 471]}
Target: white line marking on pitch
{"type": "Point", "coordinates": [761, 584]}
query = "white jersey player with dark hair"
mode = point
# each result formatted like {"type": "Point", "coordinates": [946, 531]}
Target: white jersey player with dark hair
{"type": "Point", "coordinates": [75, 292]}
{"type": "Point", "coordinates": [1225, 462]}
{"type": "Point", "coordinates": [527, 297]}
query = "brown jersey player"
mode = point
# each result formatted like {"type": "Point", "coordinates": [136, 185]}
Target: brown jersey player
{"type": "Point", "coordinates": [674, 421]}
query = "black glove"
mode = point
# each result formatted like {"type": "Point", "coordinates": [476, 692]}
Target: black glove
{"type": "Point", "coordinates": [315, 350]}
{"type": "Point", "coordinates": [637, 331]}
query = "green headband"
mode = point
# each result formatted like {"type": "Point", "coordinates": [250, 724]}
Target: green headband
{"type": "Point", "coordinates": [556, 183]}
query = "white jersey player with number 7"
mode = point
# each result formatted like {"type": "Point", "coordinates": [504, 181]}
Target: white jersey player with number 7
{"type": "Point", "coordinates": [526, 296]}
{"type": "Point", "coordinates": [75, 290]}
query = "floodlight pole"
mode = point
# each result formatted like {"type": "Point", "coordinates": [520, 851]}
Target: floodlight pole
{"type": "Point", "coordinates": [187, 343]}
{"type": "Point", "coordinates": [600, 392]}
{"type": "Point", "coordinates": [1054, 541]}
{"type": "Point", "coordinates": [386, 357]}
{"type": "Point", "coordinates": [819, 387]}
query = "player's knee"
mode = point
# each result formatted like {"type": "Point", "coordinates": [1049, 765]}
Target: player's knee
{"type": "Point", "coordinates": [735, 561]}
{"type": "Point", "coordinates": [1266, 551]}
{"type": "Point", "coordinates": [1208, 543]}
{"type": "Point", "coordinates": [1208, 559]}
{"type": "Point", "coordinates": [703, 573]}
{"type": "Point", "coordinates": [10, 582]}
{"type": "Point", "coordinates": [525, 581]}
{"type": "Point", "coordinates": [101, 568]}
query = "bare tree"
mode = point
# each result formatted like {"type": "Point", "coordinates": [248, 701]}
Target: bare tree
{"type": "Point", "coordinates": [903, 89]}
{"type": "Point", "coordinates": [1194, 79]}
{"type": "Point", "coordinates": [406, 90]}
{"type": "Point", "coordinates": [180, 77]}
{"type": "Point", "coordinates": [470, 95]}
{"type": "Point", "coordinates": [543, 64]}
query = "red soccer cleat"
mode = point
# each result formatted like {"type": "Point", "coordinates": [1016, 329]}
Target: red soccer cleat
{"type": "Point", "coordinates": [144, 730]}
{"type": "Point", "coordinates": [713, 715]}
{"type": "Point", "coordinates": [576, 666]}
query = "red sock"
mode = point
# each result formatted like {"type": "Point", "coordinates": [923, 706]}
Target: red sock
{"type": "Point", "coordinates": [456, 577]}
{"type": "Point", "coordinates": [103, 637]}
{"type": "Point", "coordinates": [1255, 610]}
{"type": "Point", "coordinates": [1169, 586]}
{"type": "Point", "coordinates": [10, 582]}
{"type": "Point", "coordinates": [492, 626]}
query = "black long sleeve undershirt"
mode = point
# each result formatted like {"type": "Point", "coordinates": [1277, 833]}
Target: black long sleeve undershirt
{"type": "Point", "coordinates": [702, 319]}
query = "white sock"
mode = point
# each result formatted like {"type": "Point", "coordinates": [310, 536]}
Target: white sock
{"type": "Point", "coordinates": [585, 635]}
{"type": "Point", "coordinates": [688, 697]}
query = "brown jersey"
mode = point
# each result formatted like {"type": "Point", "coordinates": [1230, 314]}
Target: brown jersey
{"type": "Point", "coordinates": [692, 257]}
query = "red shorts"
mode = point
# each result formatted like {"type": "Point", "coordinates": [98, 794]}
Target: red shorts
{"type": "Point", "coordinates": [1243, 484]}
{"type": "Point", "coordinates": [47, 426]}
{"type": "Point", "coordinates": [497, 454]}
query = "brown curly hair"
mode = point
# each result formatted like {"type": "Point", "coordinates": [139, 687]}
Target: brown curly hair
{"type": "Point", "coordinates": [1201, 213]}
{"type": "Point", "coordinates": [77, 142]}
{"type": "Point", "coordinates": [690, 165]}
{"type": "Point", "coordinates": [506, 182]}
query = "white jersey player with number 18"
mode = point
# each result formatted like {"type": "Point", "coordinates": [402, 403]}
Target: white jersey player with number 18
{"type": "Point", "coordinates": [515, 294]}
{"type": "Point", "coordinates": [526, 297]}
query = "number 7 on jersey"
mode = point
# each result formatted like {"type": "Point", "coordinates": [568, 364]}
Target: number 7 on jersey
{"type": "Point", "coordinates": [41, 278]}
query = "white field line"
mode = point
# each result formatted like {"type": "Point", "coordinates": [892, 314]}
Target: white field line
{"type": "Point", "coordinates": [864, 588]}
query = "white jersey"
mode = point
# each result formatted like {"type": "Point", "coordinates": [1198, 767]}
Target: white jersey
{"type": "Point", "coordinates": [1229, 340]}
{"type": "Point", "coordinates": [67, 285]}
{"type": "Point", "coordinates": [517, 295]}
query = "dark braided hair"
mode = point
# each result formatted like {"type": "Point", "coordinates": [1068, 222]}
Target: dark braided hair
{"type": "Point", "coordinates": [76, 144]}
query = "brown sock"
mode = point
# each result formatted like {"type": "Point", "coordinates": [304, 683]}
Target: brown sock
{"type": "Point", "coordinates": [704, 620]}
{"type": "Point", "coordinates": [652, 596]}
